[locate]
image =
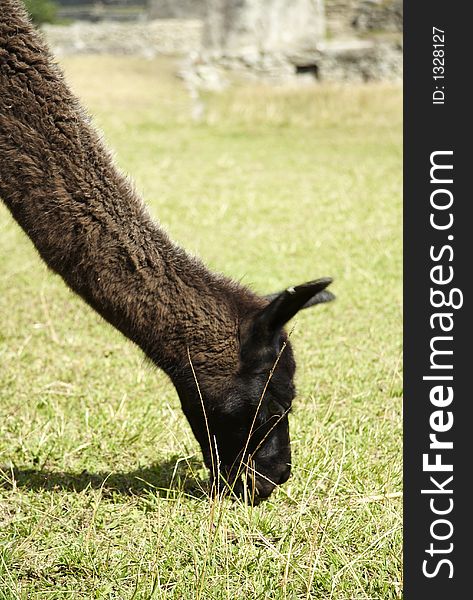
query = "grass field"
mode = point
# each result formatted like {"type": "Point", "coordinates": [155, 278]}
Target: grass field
{"type": "Point", "coordinates": [102, 488]}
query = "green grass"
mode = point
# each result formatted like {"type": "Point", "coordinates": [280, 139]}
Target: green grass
{"type": "Point", "coordinates": [102, 488]}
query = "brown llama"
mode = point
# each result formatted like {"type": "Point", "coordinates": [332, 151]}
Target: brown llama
{"type": "Point", "coordinates": [223, 346]}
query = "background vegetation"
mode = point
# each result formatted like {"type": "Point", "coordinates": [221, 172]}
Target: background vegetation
{"type": "Point", "coordinates": [42, 11]}
{"type": "Point", "coordinates": [102, 488]}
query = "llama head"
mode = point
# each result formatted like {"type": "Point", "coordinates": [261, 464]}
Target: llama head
{"type": "Point", "coordinates": [245, 428]}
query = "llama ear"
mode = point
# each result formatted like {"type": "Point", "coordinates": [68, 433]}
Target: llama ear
{"type": "Point", "coordinates": [284, 305]}
{"type": "Point", "coordinates": [256, 346]}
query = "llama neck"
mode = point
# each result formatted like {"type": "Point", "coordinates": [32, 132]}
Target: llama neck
{"type": "Point", "coordinates": [88, 223]}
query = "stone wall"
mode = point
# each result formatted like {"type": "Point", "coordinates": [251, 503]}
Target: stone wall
{"type": "Point", "coordinates": [162, 36]}
{"type": "Point", "coordinates": [345, 18]}
{"type": "Point", "coordinates": [379, 16]}
{"type": "Point", "coordinates": [273, 40]}
{"type": "Point", "coordinates": [236, 26]}
{"type": "Point", "coordinates": [285, 41]}
{"type": "Point", "coordinates": [177, 9]}
{"type": "Point", "coordinates": [334, 61]}
{"type": "Point", "coordinates": [361, 60]}
{"type": "Point", "coordinates": [339, 17]}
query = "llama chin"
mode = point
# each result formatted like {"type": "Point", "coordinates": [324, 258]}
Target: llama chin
{"type": "Point", "coordinates": [223, 346]}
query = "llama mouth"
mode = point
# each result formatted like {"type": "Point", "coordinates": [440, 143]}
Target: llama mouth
{"type": "Point", "coordinates": [254, 487]}
{"type": "Point", "coordinates": [249, 486]}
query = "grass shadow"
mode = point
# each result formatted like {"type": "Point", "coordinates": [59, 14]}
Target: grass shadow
{"type": "Point", "coordinates": [168, 479]}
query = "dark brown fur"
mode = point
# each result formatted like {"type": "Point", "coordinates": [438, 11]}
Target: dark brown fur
{"type": "Point", "coordinates": [91, 228]}
{"type": "Point", "coordinates": [61, 186]}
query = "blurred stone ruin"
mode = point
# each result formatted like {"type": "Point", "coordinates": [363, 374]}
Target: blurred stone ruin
{"type": "Point", "coordinates": [277, 41]}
